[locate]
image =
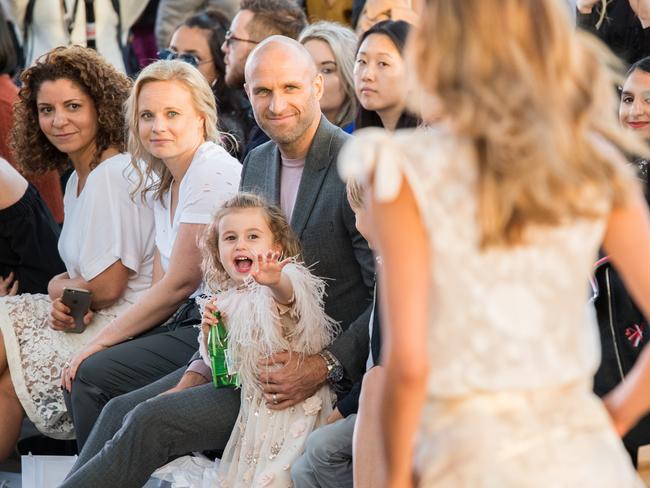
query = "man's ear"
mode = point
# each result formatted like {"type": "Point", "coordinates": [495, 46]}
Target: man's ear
{"type": "Point", "coordinates": [319, 86]}
{"type": "Point", "coordinates": [247, 90]}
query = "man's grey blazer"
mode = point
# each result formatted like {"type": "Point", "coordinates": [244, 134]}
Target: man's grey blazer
{"type": "Point", "coordinates": [332, 246]}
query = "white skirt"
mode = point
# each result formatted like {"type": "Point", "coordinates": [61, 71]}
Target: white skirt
{"type": "Point", "coordinates": [36, 355]}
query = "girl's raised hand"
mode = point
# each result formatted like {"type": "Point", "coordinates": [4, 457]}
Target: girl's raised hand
{"type": "Point", "coordinates": [269, 268]}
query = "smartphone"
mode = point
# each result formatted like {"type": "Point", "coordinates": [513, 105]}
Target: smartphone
{"type": "Point", "coordinates": [78, 300]}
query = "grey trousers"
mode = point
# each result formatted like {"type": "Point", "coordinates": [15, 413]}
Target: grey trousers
{"type": "Point", "coordinates": [140, 431]}
{"type": "Point", "coordinates": [327, 460]}
{"type": "Point", "coordinates": [130, 365]}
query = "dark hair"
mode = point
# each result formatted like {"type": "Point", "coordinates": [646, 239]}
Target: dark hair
{"type": "Point", "coordinates": [642, 64]}
{"type": "Point", "coordinates": [274, 17]}
{"type": "Point", "coordinates": [8, 58]}
{"type": "Point", "coordinates": [397, 31]}
{"type": "Point", "coordinates": [216, 23]}
{"type": "Point", "coordinates": [107, 87]}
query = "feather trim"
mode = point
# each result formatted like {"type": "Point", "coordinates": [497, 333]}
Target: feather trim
{"type": "Point", "coordinates": [255, 332]}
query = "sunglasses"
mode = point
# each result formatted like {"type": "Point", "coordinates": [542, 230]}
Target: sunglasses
{"type": "Point", "coordinates": [230, 39]}
{"type": "Point", "coordinates": [168, 55]}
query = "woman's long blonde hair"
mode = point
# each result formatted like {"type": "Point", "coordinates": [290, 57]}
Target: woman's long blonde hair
{"type": "Point", "coordinates": [204, 103]}
{"type": "Point", "coordinates": [343, 43]}
{"type": "Point", "coordinates": [538, 101]}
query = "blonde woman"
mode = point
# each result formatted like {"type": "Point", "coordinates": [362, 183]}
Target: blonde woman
{"type": "Point", "coordinates": [171, 115]}
{"type": "Point", "coordinates": [333, 47]}
{"type": "Point", "coordinates": [501, 207]}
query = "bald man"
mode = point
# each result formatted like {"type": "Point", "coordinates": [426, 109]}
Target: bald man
{"type": "Point", "coordinates": [138, 432]}
{"type": "Point", "coordinates": [297, 171]}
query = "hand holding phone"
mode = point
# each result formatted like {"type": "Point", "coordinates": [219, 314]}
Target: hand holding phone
{"type": "Point", "coordinates": [78, 301]}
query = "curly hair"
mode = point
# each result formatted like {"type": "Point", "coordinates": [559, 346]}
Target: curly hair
{"type": "Point", "coordinates": [214, 274]}
{"type": "Point", "coordinates": [96, 77]}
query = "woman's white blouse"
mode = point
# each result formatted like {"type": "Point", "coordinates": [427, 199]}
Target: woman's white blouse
{"type": "Point", "coordinates": [212, 178]}
{"type": "Point", "coordinates": [104, 224]}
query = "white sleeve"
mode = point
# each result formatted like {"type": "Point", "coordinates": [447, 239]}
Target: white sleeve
{"type": "Point", "coordinates": [210, 183]}
{"type": "Point", "coordinates": [117, 227]}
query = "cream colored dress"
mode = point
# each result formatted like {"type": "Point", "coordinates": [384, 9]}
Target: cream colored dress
{"type": "Point", "coordinates": [513, 342]}
{"type": "Point", "coordinates": [264, 443]}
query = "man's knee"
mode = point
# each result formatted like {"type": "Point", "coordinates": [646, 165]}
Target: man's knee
{"type": "Point", "coordinates": [322, 447]}
{"type": "Point", "coordinates": [301, 472]}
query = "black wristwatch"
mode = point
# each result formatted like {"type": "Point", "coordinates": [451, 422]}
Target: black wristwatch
{"type": "Point", "coordinates": [334, 367]}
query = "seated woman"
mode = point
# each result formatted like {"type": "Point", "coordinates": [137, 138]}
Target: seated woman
{"type": "Point", "coordinates": [198, 41]}
{"type": "Point", "coordinates": [380, 78]}
{"type": "Point", "coordinates": [70, 111]}
{"type": "Point", "coordinates": [333, 48]}
{"type": "Point", "coordinates": [172, 121]}
{"type": "Point", "coordinates": [28, 236]}
{"type": "Point", "coordinates": [48, 184]}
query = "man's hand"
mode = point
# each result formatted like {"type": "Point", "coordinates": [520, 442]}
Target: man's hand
{"type": "Point", "coordinates": [189, 380]}
{"type": "Point", "coordinates": [297, 379]}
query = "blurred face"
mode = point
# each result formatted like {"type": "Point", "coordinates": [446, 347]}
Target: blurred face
{"type": "Point", "coordinates": [169, 125]}
{"type": "Point", "coordinates": [67, 116]}
{"type": "Point", "coordinates": [362, 223]}
{"type": "Point", "coordinates": [634, 111]}
{"type": "Point", "coordinates": [243, 234]}
{"type": "Point", "coordinates": [333, 94]}
{"type": "Point", "coordinates": [284, 93]}
{"type": "Point", "coordinates": [237, 47]}
{"type": "Point", "coordinates": [194, 41]}
{"type": "Point", "coordinates": [380, 75]}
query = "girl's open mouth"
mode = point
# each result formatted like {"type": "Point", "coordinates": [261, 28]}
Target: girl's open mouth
{"type": "Point", "coordinates": [243, 264]}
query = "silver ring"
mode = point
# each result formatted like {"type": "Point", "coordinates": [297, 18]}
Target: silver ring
{"type": "Point", "coordinates": [66, 365]}
{"type": "Point", "coordinates": [275, 399]}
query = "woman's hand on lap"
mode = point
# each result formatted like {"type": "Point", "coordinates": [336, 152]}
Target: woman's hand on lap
{"type": "Point", "coordinates": [71, 367]}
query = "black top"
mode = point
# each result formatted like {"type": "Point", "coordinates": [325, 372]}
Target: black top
{"type": "Point", "coordinates": [349, 404]}
{"type": "Point", "coordinates": [28, 243]}
{"type": "Point", "coordinates": [621, 30]}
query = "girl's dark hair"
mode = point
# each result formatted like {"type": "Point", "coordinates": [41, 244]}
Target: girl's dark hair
{"type": "Point", "coordinates": [642, 65]}
{"type": "Point", "coordinates": [397, 31]}
{"type": "Point", "coordinates": [8, 58]}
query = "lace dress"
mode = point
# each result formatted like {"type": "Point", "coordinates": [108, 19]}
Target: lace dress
{"type": "Point", "coordinates": [513, 343]}
{"type": "Point", "coordinates": [264, 443]}
{"type": "Point", "coordinates": [103, 224]}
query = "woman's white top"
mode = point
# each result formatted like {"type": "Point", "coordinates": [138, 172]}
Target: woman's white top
{"type": "Point", "coordinates": [212, 178]}
{"type": "Point", "coordinates": [104, 224]}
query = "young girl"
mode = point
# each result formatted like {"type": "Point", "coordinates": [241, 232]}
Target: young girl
{"type": "Point", "coordinates": [269, 303]}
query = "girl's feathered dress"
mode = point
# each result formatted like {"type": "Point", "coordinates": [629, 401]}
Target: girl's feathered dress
{"type": "Point", "coordinates": [264, 443]}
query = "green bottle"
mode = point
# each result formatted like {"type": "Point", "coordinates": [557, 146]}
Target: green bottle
{"type": "Point", "coordinates": [218, 350]}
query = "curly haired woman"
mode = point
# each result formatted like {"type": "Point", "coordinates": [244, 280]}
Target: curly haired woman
{"type": "Point", "coordinates": [70, 112]}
